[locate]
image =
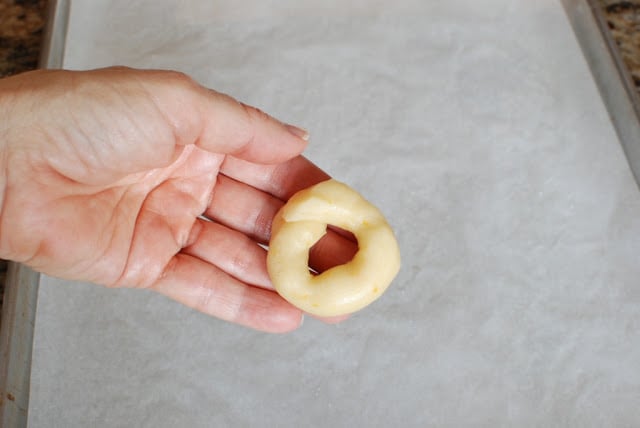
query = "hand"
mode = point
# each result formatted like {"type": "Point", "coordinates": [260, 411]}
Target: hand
{"type": "Point", "coordinates": [146, 179]}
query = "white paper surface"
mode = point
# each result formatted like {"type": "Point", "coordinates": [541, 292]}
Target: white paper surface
{"type": "Point", "coordinates": [476, 127]}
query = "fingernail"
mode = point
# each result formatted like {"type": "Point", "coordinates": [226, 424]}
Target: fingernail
{"type": "Point", "coordinates": [298, 132]}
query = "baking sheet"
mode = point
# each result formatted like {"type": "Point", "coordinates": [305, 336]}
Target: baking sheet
{"type": "Point", "coordinates": [478, 130]}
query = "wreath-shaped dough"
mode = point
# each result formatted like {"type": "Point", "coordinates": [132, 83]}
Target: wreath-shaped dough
{"type": "Point", "coordinates": [343, 289]}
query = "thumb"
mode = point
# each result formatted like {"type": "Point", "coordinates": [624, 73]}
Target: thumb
{"type": "Point", "coordinates": [248, 133]}
{"type": "Point", "coordinates": [223, 124]}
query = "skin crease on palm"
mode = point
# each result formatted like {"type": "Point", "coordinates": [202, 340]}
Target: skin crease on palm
{"type": "Point", "coordinates": [131, 178]}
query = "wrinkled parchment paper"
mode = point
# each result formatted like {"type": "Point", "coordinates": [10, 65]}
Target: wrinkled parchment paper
{"type": "Point", "coordinates": [476, 127]}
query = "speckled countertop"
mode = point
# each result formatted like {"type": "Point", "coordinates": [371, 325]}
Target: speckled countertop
{"type": "Point", "coordinates": [624, 23]}
{"type": "Point", "coordinates": [22, 21]}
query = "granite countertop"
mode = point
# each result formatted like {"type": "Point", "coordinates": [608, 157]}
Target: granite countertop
{"type": "Point", "coordinates": [624, 22]}
{"type": "Point", "coordinates": [22, 22]}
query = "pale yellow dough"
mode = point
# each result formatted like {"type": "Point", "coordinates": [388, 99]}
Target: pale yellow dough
{"type": "Point", "coordinates": [342, 289]}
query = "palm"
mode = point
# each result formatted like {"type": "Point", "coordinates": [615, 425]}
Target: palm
{"type": "Point", "coordinates": [123, 233]}
{"type": "Point", "coordinates": [117, 193]}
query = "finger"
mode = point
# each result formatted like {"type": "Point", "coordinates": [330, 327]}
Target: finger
{"type": "Point", "coordinates": [251, 211]}
{"type": "Point", "coordinates": [243, 208]}
{"type": "Point", "coordinates": [221, 123]}
{"type": "Point", "coordinates": [231, 251]}
{"type": "Point", "coordinates": [237, 255]}
{"type": "Point", "coordinates": [248, 133]}
{"type": "Point", "coordinates": [281, 180]}
{"type": "Point", "coordinates": [199, 285]}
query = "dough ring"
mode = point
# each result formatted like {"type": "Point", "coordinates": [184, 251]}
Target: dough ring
{"type": "Point", "coordinates": [342, 289]}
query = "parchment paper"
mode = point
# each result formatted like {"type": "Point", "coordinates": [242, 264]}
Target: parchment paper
{"type": "Point", "coordinates": [476, 127]}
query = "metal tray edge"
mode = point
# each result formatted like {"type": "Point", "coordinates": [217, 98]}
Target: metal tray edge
{"type": "Point", "coordinates": [610, 73]}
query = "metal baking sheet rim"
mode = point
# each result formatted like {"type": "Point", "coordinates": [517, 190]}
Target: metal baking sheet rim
{"type": "Point", "coordinates": [21, 290]}
{"type": "Point", "coordinates": [610, 73]}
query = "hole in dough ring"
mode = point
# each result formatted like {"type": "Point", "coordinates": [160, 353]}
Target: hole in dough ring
{"type": "Point", "coordinates": [343, 289]}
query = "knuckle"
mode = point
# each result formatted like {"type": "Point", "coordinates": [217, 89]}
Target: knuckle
{"type": "Point", "coordinates": [178, 77]}
{"type": "Point", "coordinates": [205, 299]}
{"type": "Point", "coordinates": [178, 83]}
{"type": "Point", "coordinates": [262, 224]}
{"type": "Point", "coordinates": [256, 113]}
{"type": "Point", "coordinates": [239, 262]}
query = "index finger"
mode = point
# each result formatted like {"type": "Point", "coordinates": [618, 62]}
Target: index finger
{"type": "Point", "coordinates": [280, 180]}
